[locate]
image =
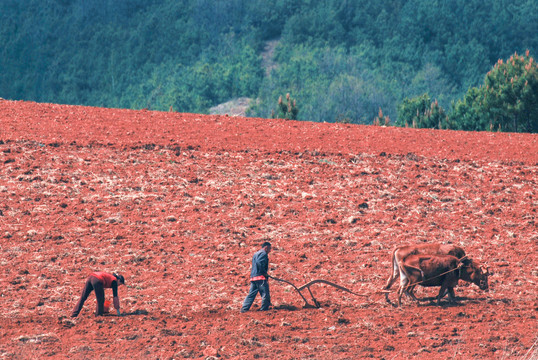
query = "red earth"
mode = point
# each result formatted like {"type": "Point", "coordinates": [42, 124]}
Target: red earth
{"type": "Point", "coordinates": [178, 203]}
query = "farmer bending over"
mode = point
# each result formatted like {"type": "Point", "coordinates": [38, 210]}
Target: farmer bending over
{"type": "Point", "coordinates": [259, 279]}
{"type": "Point", "coordinates": [98, 282]}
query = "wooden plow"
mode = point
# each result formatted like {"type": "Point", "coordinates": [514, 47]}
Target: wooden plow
{"type": "Point", "coordinates": [307, 286]}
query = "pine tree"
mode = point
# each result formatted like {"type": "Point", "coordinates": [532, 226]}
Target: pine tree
{"type": "Point", "coordinates": [511, 94]}
{"type": "Point", "coordinates": [286, 110]}
{"type": "Point", "coordinates": [381, 120]}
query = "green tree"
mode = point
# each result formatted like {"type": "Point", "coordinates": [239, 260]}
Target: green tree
{"type": "Point", "coordinates": [511, 94]}
{"type": "Point", "coordinates": [421, 112]}
{"type": "Point", "coordinates": [286, 110]}
{"type": "Point", "coordinates": [508, 100]}
{"type": "Point", "coordinates": [467, 113]}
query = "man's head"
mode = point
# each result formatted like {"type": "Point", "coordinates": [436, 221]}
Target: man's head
{"type": "Point", "coordinates": [121, 279]}
{"type": "Point", "coordinates": [266, 246]}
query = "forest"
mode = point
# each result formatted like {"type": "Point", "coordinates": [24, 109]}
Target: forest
{"type": "Point", "coordinates": [452, 64]}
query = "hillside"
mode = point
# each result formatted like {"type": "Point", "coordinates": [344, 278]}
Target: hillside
{"type": "Point", "coordinates": [339, 59]}
{"type": "Point", "coordinates": [179, 202]}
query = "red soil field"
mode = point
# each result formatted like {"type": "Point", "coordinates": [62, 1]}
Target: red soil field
{"type": "Point", "coordinates": [178, 203]}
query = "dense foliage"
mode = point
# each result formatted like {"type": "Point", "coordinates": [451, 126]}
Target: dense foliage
{"type": "Point", "coordinates": [422, 112]}
{"type": "Point", "coordinates": [507, 101]}
{"type": "Point", "coordinates": [339, 59]}
{"type": "Point", "coordinates": [510, 94]}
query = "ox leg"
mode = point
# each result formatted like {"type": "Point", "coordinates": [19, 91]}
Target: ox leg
{"type": "Point", "coordinates": [451, 295]}
{"type": "Point", "coordinates": [400, 293]}
{"type": "Point", "coordinates": [404, 281]}
{"type": "Point", "coordinates": [411, 293]}
{"type": "Point", "coordinates": [442, 293]}
{"type": "Point", "coordinates": [392, 278]}
{"type": "Point", "coordinates": [404, 275]}
{"type": "Point", "coordinates": [408, 291]}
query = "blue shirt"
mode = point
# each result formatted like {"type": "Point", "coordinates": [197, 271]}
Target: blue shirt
{"type": "Point", "coordinates": [260, 264]}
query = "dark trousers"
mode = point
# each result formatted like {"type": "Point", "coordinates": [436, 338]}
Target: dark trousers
{"type": "Point", "coordinates": [92, 284]}
{"type": "Point", "coordinates": [259, 286]}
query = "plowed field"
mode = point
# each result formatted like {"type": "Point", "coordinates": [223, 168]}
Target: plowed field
{"type": "Point", "coordinates": [178, 203]}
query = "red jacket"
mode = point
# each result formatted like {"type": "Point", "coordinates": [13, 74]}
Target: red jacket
{"type": "Point", "coordinates": [106, 278]}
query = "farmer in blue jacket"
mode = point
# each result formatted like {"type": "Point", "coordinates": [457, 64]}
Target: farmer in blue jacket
{"type": "Point", "coordinates": [259, 279]}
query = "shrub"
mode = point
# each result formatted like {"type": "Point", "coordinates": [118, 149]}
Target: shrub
{"type": "Point", "coordinates": [288, 110]}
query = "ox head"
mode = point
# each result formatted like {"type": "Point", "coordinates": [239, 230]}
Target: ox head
{"type": "Point", "coordinates": [472, 271]}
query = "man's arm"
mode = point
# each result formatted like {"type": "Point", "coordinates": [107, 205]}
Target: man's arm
{"type": "Point", "coordinates": [264, 262]}
{"type": "Point", "coordinates": [116, 299]}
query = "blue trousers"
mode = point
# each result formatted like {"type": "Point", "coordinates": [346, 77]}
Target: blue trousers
{"type": "Point", "coordinates": [259, 286]}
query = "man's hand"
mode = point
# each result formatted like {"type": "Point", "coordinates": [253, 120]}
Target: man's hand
{"type": "Point", "coordinates": [117, 305]}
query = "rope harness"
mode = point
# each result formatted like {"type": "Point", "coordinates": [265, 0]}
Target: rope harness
{"type": "Point", "coordinates": [437, 276]}
{"type": "Point", "coordinates": [459, 267]}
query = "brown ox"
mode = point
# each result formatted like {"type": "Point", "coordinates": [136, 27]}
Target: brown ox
{"type": "Point", "coordinates": [439, 270]}
{"type": "Point", "coordinates": [401, 252]}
